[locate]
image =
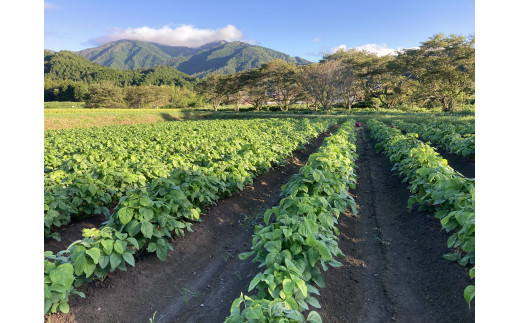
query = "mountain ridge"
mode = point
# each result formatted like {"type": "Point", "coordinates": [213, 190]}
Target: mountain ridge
{"type": "Point", "coordinates": [219, 57]}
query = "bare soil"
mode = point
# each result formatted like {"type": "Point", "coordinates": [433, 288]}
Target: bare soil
{"type": "Point", "coordinates": [393, 266]}
{"type": "Point", "coordinates": [464, 165]}
{"type": "Point", "coordinates": [202, 275]}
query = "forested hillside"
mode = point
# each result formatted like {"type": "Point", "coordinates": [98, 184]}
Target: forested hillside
{"type": "Point", "coordinates": [213, 58]}
{"type": "Point", "coordinates": [68, 75]}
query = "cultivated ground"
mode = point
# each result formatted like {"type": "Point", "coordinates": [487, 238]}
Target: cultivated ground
{"type": "Point", "coordinates": [393, 266]}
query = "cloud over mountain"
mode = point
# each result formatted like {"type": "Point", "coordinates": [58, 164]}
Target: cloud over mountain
{"type": "Point", "coordinates": [183, 35]}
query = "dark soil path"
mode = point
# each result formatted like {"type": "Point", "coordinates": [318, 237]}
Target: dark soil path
{"type": "Point", "coordinates": [202, 275]}
{"type": "Point", "coordinates": [463, 165]}
{"type": "Point", "coordinates": [393, 266]}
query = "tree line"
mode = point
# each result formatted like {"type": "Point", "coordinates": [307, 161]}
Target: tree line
{"type": "Point", "coordinates": [439, 73]}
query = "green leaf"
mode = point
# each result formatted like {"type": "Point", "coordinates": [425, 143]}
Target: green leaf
{"type": "Point", "coordinates": [245, 255]}
{"type": "Point", "coordinates": [469, 294]}
{"type": "Point", "coordinates": [152, 246]}
{"type": "Point", "coordinates": [133, 228]}
{"type": "Point", "coordinates": [129, 258]}
{"type": "Point", "coordinates": [254, 282]}
{"type": "Point", "coordinates": [92, 189]}
{"type": "Point", "coordinates": [288, 286]}
{"type": "Point", "coordinates": [63, 275]}
{"type": "Point", "coordinates": [94, 253]}
{"type": "Point", "coordinates": [451, 240]}
{"type": "Point", "coordinates": [273, 246]}
{"type": "Point", "coordinates": [314, 317]}
{"type": "Point", "coordinates": [253, 313]}
{"type": "Point", "coordinates": [108, 245]}
{"type": "Point", "coordinates": [115, 260]}
{"type": "Point", "coordinates": [64, 307]}
{"type": "Point", "coordinates": [133, 241]}
{"type": "Point", "coordinates": [162, 253]}
{"type": "Point", "coordinates": [79, 265]}
{"type": "Point", "coordinates": [302, 286]}
{"type": "Point", "coordinates": [103, 261]}
{"type": "Point", "coordinates": [89, 269]}
{"type": "Point", "coordinates": [145, 201]}
{"type": "Point", "coordinates": [324, 251]}
{"type": "Point", "coordinates": [125, 214]}
{"type": "Point", "coordinates": [118, 247]}
{"type": "Point", "coordinates": [147, 229]}
{"type": "Point", "coordinates": [313, 302]}
{"type": "Point", "coordinates": [316, 175]}
{"type": "Point", "coordinates": [146, 212]}
{"type": "Point", "coordinates": [267, 216]}
{"type": "Point", "coordinates": [312, 289]}
{"type": "Point", "coordinates": [294, 306]}
{"type": "Point", "coordinates": [311, 241]}
{"type": "Point", "coordinates": [295, 315]}
{"type": "Point", "coordinates": [236, 304]}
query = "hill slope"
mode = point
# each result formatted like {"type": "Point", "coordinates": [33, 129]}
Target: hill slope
{"type": "Point", "coordinates": [66, 65]}
{"type": "Point", "coordinates": [219, 57]}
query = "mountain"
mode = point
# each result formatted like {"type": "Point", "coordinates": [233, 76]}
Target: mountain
{"type": "Point", "coordinates": [219, 57]}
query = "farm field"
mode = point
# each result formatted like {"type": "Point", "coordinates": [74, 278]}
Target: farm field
{"type": "Point", "coordinates": [59, 115]}
{"type": "Point", "coordinates": [67, 118]}
{"type": "Point", "coordinates": [392, 265]}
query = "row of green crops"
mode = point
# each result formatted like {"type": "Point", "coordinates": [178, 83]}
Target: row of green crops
{"type": "Point", "coordinates": [87, 171]}
{"type": "Point", "coordinates": [436, 187]}
{"type": "Point", "coordinates": [146, 217]}
{"type": "Point", "coordinates": [302, 236]}
{"type": "Point", "coordinates": [458, 139]}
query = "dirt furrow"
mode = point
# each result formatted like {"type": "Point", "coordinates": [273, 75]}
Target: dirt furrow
{"type": "Point", "coordinates": [202, 274]}
{"type": "Point", "coordinates": [393, 266]}
{"type": "Point", "coordinates": [463, 165]}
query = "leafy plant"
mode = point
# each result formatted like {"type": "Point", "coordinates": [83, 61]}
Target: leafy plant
{"type": "Point", "coordinates": [436, 187]}
{"type": "Point", "coordinates": [147, 216]}
{"type": "Point", "coordinates": [302, 236]}
{"type": "Point", "coordinates": [58, 282]}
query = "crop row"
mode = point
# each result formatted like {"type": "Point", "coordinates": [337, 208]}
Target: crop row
{"type": "Point", "coordinates": [436, 187]}
{"type": "Point", "coordinates": [89, 170]}
{"type": "Point", "coordinates": [146, 217]}
{"type": "Point", "coordinates": [302, 236]}
{"type": "Point", "coordinates": [458, 139]}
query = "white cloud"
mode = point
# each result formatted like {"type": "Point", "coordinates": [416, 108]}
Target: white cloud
{"type": "Point", "coordinates": [335, 49]}
{"type": "Point", "coordinates": [316, 39]}
{"type": "Point", "coordinates": [183, 35]}
{"type": "Point", "coordinates": [50, 6]}
{"type": "Point", "coordinates": [379, 50]}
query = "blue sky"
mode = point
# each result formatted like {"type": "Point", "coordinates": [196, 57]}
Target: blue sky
{"type": "Point", "coordinates": [299, 28]}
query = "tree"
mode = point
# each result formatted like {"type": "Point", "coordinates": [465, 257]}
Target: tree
{"type": "Point", "coordinates": [105, 95]}
{"type": "Point", "coordinates": [355, 65]}
{"type": "Point", "coordinates": [234, 89]}
{"type": "Point", "coordinates": [322, 82]}
{"type": "Point", "coordinates": [213, 88]}
{"type": "Point", "coordinates": [183, 97]}
{"type": "Point", "coordinates": [281, 83]}
{"type": "Point", "coordinates": [446, 69]}
{"type": "Point", "coordinates": [255, 86]}
{"type": "Point", "coordinates": [380, 83]}
{"type": "Point", "coordinates": [139, 97]}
